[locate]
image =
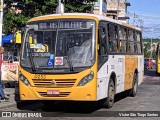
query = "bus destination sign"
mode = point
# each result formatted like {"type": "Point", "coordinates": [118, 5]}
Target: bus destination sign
{"type": "Point", "coordinates": [62, 25]}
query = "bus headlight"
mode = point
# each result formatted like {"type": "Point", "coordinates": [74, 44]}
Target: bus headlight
{"type": "Point", "coordinates": [24, 79]}
{"type": "Point", "coordinates": [86, 79]}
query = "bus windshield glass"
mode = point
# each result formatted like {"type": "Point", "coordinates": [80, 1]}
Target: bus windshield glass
{"type": "Point", "coordinates": [62, 43]}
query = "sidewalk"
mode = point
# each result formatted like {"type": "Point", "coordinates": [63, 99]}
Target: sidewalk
{"type": "Point", "coordinates": [11, 101]}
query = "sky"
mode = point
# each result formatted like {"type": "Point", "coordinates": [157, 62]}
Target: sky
{"type": "Point", "coordinates": [149, 12]}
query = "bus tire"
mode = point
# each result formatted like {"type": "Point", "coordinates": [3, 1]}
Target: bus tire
{"type": "Point", "coordinates": [108, 103]}
{"type": "Point", "coordinates": [133, 90]}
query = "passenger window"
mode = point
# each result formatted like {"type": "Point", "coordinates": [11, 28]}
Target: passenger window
{"type": "Point", "coordinates": [123, 40]}
{"type": "Point", "coordinates": [138, 36]}
{"type": "Point", "coordinates": [131, 41]}
{"type": "Point", "coordinates": [113, 38]}
{"type": "Point", "coordinates": [102, 43]}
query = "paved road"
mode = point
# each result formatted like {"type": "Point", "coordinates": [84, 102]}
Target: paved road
{"type": "Point", "coordinates": [147, 99]}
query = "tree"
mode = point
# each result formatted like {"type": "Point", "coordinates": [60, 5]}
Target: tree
{"type": "Point", "coordinates": [34, 8]}
{"type": "Point", "coordinates": [79, 5]}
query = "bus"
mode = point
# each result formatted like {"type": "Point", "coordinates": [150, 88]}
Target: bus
{"type": "Point", "coordinates": [158, 58]}
{"type": "Point", "coordinates": [79, 57]}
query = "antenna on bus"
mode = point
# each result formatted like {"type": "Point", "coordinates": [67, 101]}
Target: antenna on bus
{"type": "Point", "coordinates": [60, 8]}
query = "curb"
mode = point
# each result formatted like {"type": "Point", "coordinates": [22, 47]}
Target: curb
{"type": "Point", "coordinates": [11, 102]}
{"type": "Point", "coordinates": [8, 105]}
{"type": "Point", "coordinates": [150, 77]}
{"type": "Point", "coordinates": [14, 104]}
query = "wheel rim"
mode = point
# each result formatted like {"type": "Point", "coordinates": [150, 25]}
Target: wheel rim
{"type": "Point", "coordinates": [111, 94]}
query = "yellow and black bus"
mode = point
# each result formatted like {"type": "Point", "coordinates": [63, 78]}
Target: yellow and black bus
{"type": "Point", "coordinates": [158, 58]}
{"type": "Point", "coordinates": [79, 57]}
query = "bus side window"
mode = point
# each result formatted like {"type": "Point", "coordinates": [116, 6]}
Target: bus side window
{"type": "Point", "coordinates": [102, 43]}
{"type": "Point", "coordinates": [123, 40]}
{"type": "Point", "coordinates": [131, 41]}
{"type": "Point", "coordinates": [113, 38]}
{"type": "Point", "coordinates": [138, 37]}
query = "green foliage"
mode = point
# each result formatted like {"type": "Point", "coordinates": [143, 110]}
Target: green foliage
{"type": "Point", "coordinates": [8, 23]}
{"type": "Point", "coordinates": [79, 5]}
{"type": "Point", "coordinates": [149, 40]}
{"type": "Point", "coordinates": [147, 47]}
{"type": "Point", "coordinates": [34, 8]}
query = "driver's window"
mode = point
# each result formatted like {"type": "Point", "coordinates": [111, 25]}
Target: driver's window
{"type": "Point", "coordinates": [37, 44]}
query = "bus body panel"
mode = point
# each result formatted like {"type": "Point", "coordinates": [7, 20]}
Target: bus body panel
{"type": "Point", "coordinates": [158, 66]}
{"type": "Point", "coordinates": [130, 67]}
{"type": "Point", "coordinates": [102, 81]}
{"type": "Point", "coordinates": [158, 59]}
{"type": "Point", "coordinates": [140, 69]}
{"type": "Point", "coordinates": [115, 64]}
{"type": "Point", "coordinates": [124, 67]}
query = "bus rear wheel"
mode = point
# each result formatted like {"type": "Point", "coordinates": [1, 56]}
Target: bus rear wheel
{"type": "Point", "coordinates": [133, 91]}
{"type": "Point", "coordinates": [111, 94]}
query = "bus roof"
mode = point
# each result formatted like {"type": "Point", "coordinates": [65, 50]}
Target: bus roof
{"type": "Point", "coordinates": [99, 17]}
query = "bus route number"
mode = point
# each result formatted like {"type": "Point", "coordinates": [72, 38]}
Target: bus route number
{"type": "Point", "coordinates": [40, 76]}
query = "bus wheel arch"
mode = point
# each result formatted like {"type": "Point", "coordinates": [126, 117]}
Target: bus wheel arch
{"type": "Point", "coordinates": [114, 78]}
{"type": "Point", "coordinates": [136, 72]}
{"type": "Point", "coordinates": [109, 101]}
{"type": "Point", "coordinates": [133, 90]}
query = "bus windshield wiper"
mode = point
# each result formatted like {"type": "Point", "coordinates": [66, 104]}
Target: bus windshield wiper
{"type": "Point", "coordinates": [68, 59]}
{"type": "Point", "coordinates": [31, 58]}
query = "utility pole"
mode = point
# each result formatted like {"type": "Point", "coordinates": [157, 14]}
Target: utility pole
{"type": "Point", "coordinates": [118, 8]}
{"type": "Point", "coordinates": [100, 7]}
{"type": "Point", "coordinates": [60, 8]}
{"type": "Point", "coordinates": [151, 42]}
{"type": "Point", "coordinates": [134, 18]}
{"type": "Point", "coordinates": [141, 23]}
{"type": "Point", "coordinates": [1, 21]}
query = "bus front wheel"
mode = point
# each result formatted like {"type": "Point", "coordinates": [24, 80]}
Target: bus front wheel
{"type": "Point", "coordinates": [111, 94]}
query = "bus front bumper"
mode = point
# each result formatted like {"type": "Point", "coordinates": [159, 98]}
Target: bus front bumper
{"type": "Point", "coordinates": [78, 93]}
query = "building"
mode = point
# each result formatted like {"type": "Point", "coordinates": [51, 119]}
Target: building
{"type": "Point", "coordinates": [116, 9]}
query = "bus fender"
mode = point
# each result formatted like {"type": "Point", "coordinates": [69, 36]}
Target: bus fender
{"type": "Point", "coordinates": [114, 78]}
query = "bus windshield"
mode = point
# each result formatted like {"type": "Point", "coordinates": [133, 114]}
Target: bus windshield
{"type": "Point", "coordinates": [63, 43]}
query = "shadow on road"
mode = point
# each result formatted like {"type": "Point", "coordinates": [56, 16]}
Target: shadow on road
{"type": "Point", "coordinates": [64, 107]}
{"type": "Point", "coordinates": [68, 107]}
{"type": "Point", "coordinates": [73, 107]}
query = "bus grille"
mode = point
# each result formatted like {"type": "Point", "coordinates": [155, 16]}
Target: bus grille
{"type": "Point", "coordinates": [62, 94]}
{"type": "Point", "coordinates": [56, 83]}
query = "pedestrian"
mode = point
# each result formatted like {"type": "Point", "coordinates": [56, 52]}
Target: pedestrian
{"type": "Point", "coordinates": [2, 95]}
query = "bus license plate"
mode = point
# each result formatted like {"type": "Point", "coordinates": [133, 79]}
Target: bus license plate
{"type": "Point", "coordinates": [53, 92]}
